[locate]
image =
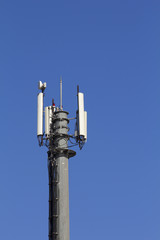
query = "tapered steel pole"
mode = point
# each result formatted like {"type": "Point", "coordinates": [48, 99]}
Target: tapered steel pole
{"type": "Point", "coordinates": [58, 178]}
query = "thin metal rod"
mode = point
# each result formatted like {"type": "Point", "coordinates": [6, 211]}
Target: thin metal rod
{"type": "Point", "coordinates": [61, 94]}
{"type": "Point", "coordinates": [77, 89]}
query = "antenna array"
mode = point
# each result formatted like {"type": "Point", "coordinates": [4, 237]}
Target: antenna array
{"type": "Point", "coordinates": [56, 138]}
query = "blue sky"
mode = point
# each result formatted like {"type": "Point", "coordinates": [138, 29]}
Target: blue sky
{"type": "Point", "coordinates": [112, 50]}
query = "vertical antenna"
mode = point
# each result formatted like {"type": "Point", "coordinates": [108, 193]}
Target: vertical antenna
{"type": "Point", "coordinates": [77, 89]}
{"type": "Point", "coordinates": [61, 108]}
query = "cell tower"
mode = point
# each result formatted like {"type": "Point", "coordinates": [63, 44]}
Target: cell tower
{"type": "Point", "coordinates": [56, 138]}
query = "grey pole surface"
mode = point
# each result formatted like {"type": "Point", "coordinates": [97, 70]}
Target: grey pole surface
{"type": "Point", "coordinates": [58, 178]}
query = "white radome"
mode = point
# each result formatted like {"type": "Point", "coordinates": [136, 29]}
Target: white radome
{"type": "Point", "coordinates": [42, 86]}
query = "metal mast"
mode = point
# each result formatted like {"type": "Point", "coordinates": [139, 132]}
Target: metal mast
{"type": "Point", "coordinates": [58, 178]}
{"type": "Point", "coordinates": [56, 139]}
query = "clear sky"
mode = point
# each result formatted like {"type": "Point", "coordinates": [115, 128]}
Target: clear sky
{"type": "Point", "coordinates": [112, 50]}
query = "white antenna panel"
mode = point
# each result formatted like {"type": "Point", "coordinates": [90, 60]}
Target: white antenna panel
{"type": "Point", "coordinates": [48, 119]}
{"type": "Point", "coordinates": [85, 125]}
{"type": "Point", "coordinates": [40, 114]}
{"type": "Point", "coordinates": [50, 115]}
{"type": "Point", "coordinates": [81, 114]}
